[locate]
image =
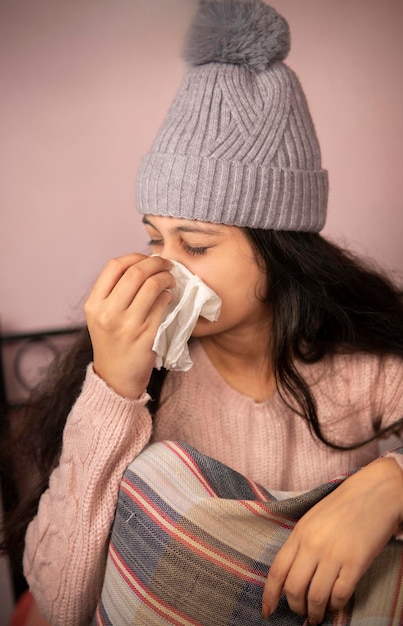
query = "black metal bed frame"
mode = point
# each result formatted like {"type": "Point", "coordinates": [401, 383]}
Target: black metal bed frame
{"type": "Point", "coordinates": [23, 360]}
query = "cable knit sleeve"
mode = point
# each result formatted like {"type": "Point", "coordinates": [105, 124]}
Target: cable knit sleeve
{"type": "Point", "coordinates": [390, 405]}
{"type": "Point", "coordinates": [66, 543]}
{"type": "Point", "coordinates": [389, 391]}
{"type": "Point", "coordinates": [389, 398]}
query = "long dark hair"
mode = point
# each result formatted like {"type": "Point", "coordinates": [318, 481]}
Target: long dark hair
{"type": "Point", "coordinates": [324, 301]}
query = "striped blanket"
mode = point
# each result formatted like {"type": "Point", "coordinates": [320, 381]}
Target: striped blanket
{"type": "Point", "coordinates": [193, 541]}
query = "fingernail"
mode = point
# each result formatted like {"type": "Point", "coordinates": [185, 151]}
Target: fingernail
{"type": "Point", "coordinates": [266, 612]}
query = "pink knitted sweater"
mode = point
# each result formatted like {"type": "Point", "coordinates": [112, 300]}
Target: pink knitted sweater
{"type": "Point", "coordinates": [66, 543]}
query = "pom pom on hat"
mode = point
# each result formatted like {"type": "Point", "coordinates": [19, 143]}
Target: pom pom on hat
{"type": "Point", "coordinates": [241, 32]}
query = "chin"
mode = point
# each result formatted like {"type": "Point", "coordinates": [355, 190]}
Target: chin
{"type": "Point", "coordinates": [204, 328]}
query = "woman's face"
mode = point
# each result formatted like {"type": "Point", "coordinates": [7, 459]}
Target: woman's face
{"type": "Point", "coordinates": [223, 258]}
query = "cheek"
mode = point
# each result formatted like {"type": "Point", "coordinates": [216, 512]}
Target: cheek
{"type": "Point", "coordinates": [225, 285]}
{"type": "Point", "coordinates": [240, 290]}
{"type": "Point", "coordinates": [237, 279]}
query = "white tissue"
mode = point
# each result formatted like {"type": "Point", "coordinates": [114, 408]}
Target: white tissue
{"type": "Point", "coordinates": [191, 298]}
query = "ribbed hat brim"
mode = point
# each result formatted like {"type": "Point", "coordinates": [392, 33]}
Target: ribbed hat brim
{"type": "Point", "coordinates": [215, 190]}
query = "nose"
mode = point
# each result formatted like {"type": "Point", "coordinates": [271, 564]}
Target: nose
{"type": "Point", "coordinates": [166, 252]}
{"type": "Point", "coordinates": [170, 251]}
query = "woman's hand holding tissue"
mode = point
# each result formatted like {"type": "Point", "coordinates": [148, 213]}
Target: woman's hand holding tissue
{"type": "Point", "coordinates": [124, 310]}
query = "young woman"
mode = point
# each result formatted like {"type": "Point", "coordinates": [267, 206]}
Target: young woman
{"type": "Point", "coordinates": [305, 360]}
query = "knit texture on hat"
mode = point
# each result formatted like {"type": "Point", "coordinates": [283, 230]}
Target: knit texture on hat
{"type": "Point", "coordinates": [238, 145]}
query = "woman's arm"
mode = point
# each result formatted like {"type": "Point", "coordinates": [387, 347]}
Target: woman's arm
{"type": "Point", "coordinates": [67, 541]}
{"type": "Point", "coordinates": [334, 544]}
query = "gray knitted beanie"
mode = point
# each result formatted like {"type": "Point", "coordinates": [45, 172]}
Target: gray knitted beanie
{"type": "Point", "coordinates": [238, 145]}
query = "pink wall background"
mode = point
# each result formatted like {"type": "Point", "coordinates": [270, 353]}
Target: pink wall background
{"type": "Point", "coordinates": [84, 85]}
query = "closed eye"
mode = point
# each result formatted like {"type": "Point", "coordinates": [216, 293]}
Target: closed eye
{"type": "Point", "coordinates": [195, 250]}
{"type": "Point", "coordinates": [155, 242]}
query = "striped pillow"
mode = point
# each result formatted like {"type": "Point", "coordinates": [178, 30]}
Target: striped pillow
{"type": "Point", "coordinates": [193, 541]}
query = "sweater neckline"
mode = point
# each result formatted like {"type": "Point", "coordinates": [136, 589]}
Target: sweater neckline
{"type": "Point", "coordinates": [216, 383]}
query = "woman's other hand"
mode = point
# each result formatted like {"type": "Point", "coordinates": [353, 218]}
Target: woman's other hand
{"type": "Point", "coordinates": [335, 542]}
{"type": "Point", "coordinates": [124, 311]}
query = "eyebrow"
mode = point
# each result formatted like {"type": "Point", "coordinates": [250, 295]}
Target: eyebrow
{"type": "Point", "coordinates": [188, 228]}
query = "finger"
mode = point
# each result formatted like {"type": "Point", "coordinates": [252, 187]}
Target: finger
{"type": "Point", "coordinates": [343, 589]}
{"type": "Point", "coordinates": [111, 273]}
{"type": "Point", "coordinates": [320, 590]}
{"type": "Point", "coordinates": [277, 576]}
{"type": "Point", "coordinates": [297, 581]}
{"type": "Point", "coordinates": [140, 286]}
{"type": "Point", "coordinates": [117, 267]}
{"type": "Point", "coordinates": [155, 315]}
